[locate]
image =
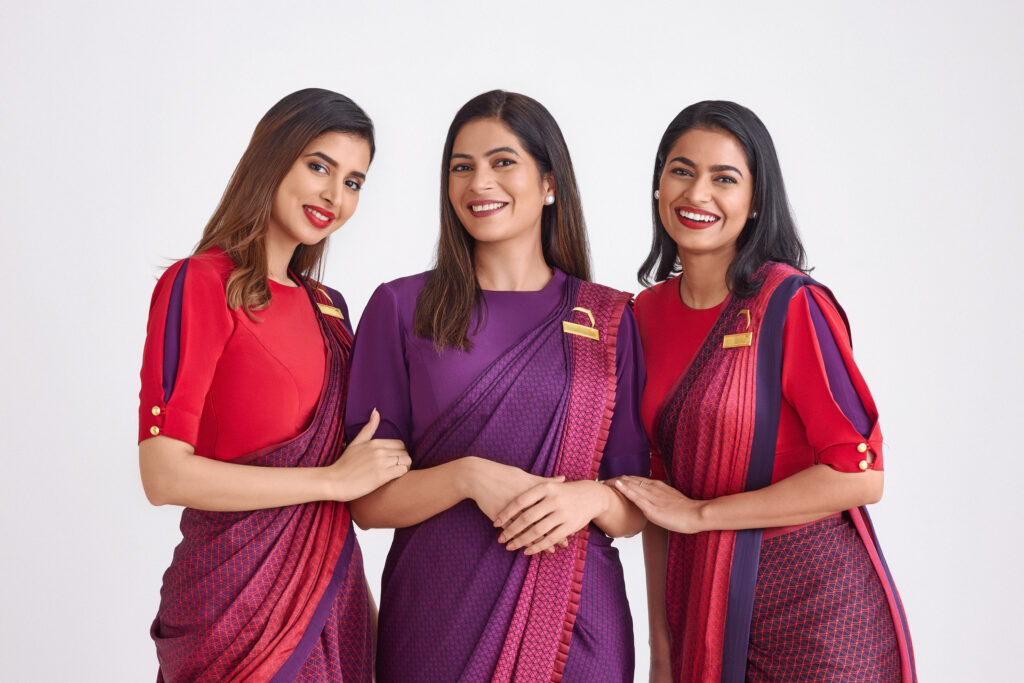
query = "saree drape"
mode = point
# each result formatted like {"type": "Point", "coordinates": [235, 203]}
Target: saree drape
{"type": "Point", "coordinates": [249, 595]}
{"type": "Point", "coordinates": [717, 430]}
{"type": "Point", "coordinates": [457, 606]}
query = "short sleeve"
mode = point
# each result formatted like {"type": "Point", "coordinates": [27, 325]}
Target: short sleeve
{"type": "Point", "coordinates": [627, 450]}
{"type": "Point", "coordinates": [189, 326]}
{"type": "Point", "coordinates": [380, 372]}
{"type": "Point", "coordinates": [823, 385]}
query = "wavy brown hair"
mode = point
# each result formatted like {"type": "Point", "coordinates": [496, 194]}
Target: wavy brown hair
{"type": "Point", "coordinates": [239, 225]}
{"type": "Point", "coordinates": [445, 305]}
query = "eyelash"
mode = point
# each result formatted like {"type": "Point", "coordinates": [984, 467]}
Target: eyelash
{"type": "Point", "coordinates": [317, 167]}
{"type": "Point", "coordinates": [687, 173]}
{"type": "Point", "coordinates": [354, 185]}
{"type": "Point", "coordinates": [499, 163]}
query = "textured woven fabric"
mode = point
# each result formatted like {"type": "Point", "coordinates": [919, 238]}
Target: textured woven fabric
{"type": "Point", "coordinates": [453, 599]}
{"type": "Point", "coordinates": [244, 587]}
{"type": "Point", "coordinates": [820, 613]}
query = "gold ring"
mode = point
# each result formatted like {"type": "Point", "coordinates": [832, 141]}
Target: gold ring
{"type": "Point", "coordinates": [398, 459]}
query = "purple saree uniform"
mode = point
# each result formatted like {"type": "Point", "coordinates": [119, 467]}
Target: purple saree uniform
{"type": "Point", "coordinates": [449, 589]}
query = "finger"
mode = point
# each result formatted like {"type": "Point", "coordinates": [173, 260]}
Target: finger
{"type": "Point", "coordinates": [519, 503]}
{"type": "Point", "coordinates": [522, 525]}
{"type": "Point", "coordinates": [369, 429]}
{"type": "Point", "coordinates": [534, 533]}
{"type": "Point", "coordinates": [560, 531]}
{"type": "Point", "coordinates": [390, 444]}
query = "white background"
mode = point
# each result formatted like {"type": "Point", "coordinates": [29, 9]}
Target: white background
{"type": "Point", "coordinates": [897, 124]}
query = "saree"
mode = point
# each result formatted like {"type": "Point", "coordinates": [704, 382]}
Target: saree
{"type": "Point", "coordinates": [455, 604]}
{"type": "Point", "coordinates": [276, 594]}
{"type": "Point", "coordinates": [718, 429]}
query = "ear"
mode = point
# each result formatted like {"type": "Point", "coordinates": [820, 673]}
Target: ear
{"type": "Point", "coordinates": [547, 183]}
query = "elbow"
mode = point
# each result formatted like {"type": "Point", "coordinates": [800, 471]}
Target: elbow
{"type": "Point", "coordinates": [155, 490]}
{"type": "Point", "coordinates": [363, 514]}
{"type": "Point", "coordinates": [875, 490]}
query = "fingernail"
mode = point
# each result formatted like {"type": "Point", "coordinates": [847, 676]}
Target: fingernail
{"type": "Point", "coordinates": [501, 539]}
{"type": "Point", "coordinates": [510, 546]}
{"type": "Point", "coordinates": [497, 523]}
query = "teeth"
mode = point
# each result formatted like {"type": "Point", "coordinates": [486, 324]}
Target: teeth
{"type": "Point", "coordinates": [697, 216]}
{"type": "Point", "coordinates": [477, 208]}
{"type": "Point", "coordinates": [317, 214]}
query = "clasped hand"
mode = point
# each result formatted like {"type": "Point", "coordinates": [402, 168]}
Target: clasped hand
{"type": "Point", "coordinates": [547, 514]}
{"type": "Point", "coordinates": [662, 504]}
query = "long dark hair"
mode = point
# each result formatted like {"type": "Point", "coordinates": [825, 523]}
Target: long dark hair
{"type": "Point", "coordinates": [771, 236]}
{"type": "Point", "coordinates": [445, 305]}
{"type": "Point", "coordinates": [239, 224]}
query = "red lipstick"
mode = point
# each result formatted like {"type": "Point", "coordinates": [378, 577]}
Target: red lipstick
{"type": "Point", "coordinates": [320, 221]}
{"type": "Point", "coordinates": [693, 219]}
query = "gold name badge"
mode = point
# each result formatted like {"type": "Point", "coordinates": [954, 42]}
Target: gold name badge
{"type": "Point", "coordinates": [733, 341]}
{"type": "Point", "coordinates": [331, 311]}
{"type": "Point", "coordinates": [581, 330]}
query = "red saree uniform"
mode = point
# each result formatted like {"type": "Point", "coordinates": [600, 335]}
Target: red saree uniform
{"type": "Point", "coordinates": [274, 594]}
{"type": "Point", "coordinates": [739, 397]}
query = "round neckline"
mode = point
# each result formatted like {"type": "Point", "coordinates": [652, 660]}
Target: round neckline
{"type": "Point", "coordinates": [679, 296]}
{"type": "Point", "coordinates": [557, 278]}
{"type": "Point", "coordinates": [275, 283]}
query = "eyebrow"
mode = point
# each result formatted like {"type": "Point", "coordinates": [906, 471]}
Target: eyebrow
{"type": "Point", "coordinates": [332, 162]}
{"type": "Point", "coordinates": [715, 169]}
{"type": "Point", "coordinates": [486, 154]}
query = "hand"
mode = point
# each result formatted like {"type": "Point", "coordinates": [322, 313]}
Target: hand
{"type": "Point", "coordinates": [662, 504]}
{"type": "Point", "coordinates": [494, 485]}
{"type": "Point", "coordinates": [549, 513]}
{"type": "Point", "coordinates": [367, 463]}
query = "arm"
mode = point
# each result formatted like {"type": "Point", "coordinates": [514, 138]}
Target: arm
{"type": "Point", "coordinates": [172, 474]}
{"type": "Point", "coordinates": [807, 496]}
{"type": "Point", "coordinates": [655, 559]}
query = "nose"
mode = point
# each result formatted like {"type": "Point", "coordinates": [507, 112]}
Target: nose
{"type": "Point", "coordinates": [333, 191]}
{"type": "Point", "coordinates": [482, 180]}
{"type": "Point", "coordinates": [699, 190]}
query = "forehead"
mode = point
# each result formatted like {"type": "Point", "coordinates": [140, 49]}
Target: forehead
{"type": "Point", "coordinates": [482, 135]}
{"type": "Point", "coordinates": [710, 147]}
{"type": "Point", "coordinates": [350, 151]}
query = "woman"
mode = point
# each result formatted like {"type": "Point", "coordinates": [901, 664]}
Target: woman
{"type": "Point", "coordinates": [769, 570]}
{"type": "Point", "coordinates": [243, 393]}
{"type": "Point", "coordinates": [515, 382]}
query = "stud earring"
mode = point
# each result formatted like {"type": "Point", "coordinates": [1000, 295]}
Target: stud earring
{"type": "Point", "coordinates": [657, 194]}
{"type": "Point", "coordinates": [549, 200]}
{"type": "Point", "coordinates": [753, 215]}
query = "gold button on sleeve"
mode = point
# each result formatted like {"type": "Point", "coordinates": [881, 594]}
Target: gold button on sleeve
{"type": "Point", "coordinates": [154, 430]}
{"type": "Point", "coordinates": [156, 410]}
{"type": "Point", "coordinates": [863, 465]}
{"type": "Point", "coordinates": [862, 448]}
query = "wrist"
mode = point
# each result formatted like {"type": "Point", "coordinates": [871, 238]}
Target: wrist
{"type": "Point", "coordinates": [702, 516]}
{"type": "Point", "coordinates": [467, 475]}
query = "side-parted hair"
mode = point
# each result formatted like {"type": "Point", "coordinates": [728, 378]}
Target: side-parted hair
{"type": "Point", "coordinates": [446, 303]}
{"type": "Point", "coordinates": [770, 236]}
{"type": "Point", "coordinates": [239, 224]}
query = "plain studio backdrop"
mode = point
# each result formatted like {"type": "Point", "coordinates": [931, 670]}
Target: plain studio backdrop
{"type": "Point", "coordinates": [898, 129]}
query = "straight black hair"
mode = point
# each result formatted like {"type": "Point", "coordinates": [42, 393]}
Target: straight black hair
{"type": "Point", "coordinates": [770, 236]}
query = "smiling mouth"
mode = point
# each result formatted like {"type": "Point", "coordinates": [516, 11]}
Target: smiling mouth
{"type": "Point", "coordinates": [486, 208]}
{"type": "Point", "coordinates": [318, 217]}
{"type": "Point", "coordinates": [697, 219]}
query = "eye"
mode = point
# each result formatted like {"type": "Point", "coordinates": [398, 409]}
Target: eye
{"type": "Point", "coordinates": [354, 185]}
{"type": "Point", "coordinates": [461, 168]}
{"type": "Point", "coordinates": [725, 179]}
{"type": "Point", "coordinates": [504, 162]}
{"type": "Point", "coordinates": [317, 167]}
{"type": "Point", "coordinates": [685, 172]}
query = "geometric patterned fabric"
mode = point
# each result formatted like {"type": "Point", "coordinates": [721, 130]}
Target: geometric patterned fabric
{"type": "Point", "coordinates": [820, 613]}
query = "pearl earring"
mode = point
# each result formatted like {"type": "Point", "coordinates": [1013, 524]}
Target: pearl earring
{"type": "Point", "coordinates": [549, 200]}
{"type": "Point", "coordinates": [657, 194]}
{"type": "Point", "coordinates": [753, 215]}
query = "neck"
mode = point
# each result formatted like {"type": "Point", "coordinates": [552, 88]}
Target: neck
{"type": "Point", "coordinates": [704, 283]}
{"type": "Point", "coordinates": [511, 266]}
{"type": "Point", "coordinates": [279, 255]}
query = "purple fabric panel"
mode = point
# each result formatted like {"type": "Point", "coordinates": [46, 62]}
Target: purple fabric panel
{"type": "Point", "coordinates": [290, 670]}
{"type": "Point", "coordinates": [627, 450]}
{"type": "Point", "coordinates": [172, 332]}
{"type": "Point", "coordinates": [747, 549]}
{"type": "Point", "coordinates": [835, 369]}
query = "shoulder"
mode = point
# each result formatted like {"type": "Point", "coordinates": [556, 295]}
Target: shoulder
{"type": "Point", "coordinates": [396, 298]}
{"type": "Point", "coordinates": [203, 276]}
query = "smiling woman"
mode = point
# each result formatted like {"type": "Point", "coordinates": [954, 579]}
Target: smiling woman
{"type": "Point", "coordinates": [240, 418]}
{"type": "Point", "coordinates": [515, 383]}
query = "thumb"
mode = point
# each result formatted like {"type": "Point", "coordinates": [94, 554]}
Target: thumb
{"type": "Point", "coordinates": [369, 429]}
